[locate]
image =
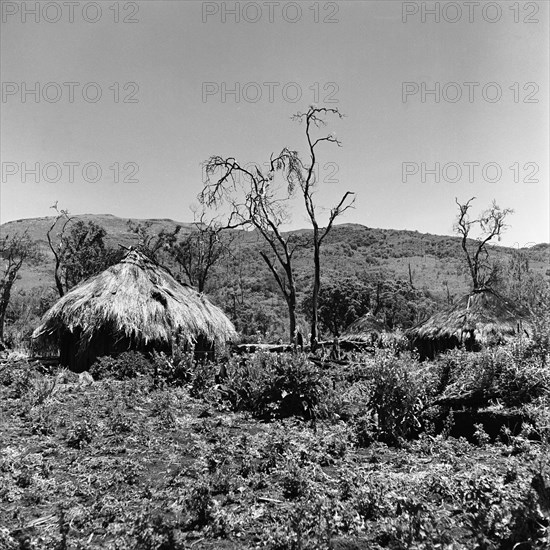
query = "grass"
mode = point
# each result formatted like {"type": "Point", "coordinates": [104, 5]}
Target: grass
{"type": "Point", "coordinates": [135, 463]}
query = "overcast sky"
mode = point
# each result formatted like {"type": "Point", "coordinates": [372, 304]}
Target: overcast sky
{"type": "Point", "coordinates": [462, 91]}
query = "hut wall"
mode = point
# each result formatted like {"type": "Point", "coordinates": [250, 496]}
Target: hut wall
{"type": "Point", "coordinates": [204, 349]}
{"type": "Point", "coordinates": [429, 348]}
{"type": "Point", "coordinates": [80, 358]}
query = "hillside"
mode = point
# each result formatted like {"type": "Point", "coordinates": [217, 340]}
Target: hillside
{"type": "Point", "coordinates": [243, 283]}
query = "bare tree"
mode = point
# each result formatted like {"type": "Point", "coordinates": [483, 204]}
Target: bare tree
{"type": "Point", "coordinates": [56, 244]}
{"type": "Point", "coordinates": [255, 201]}
{"type": "Point", "coordinates": [14, 251]}
{"type": "Point", "coordinates": [304, 175]}
{"type": "Point", "coordinates": [490, 224]}
{"type": "Point", "coordinates": [201, 249]}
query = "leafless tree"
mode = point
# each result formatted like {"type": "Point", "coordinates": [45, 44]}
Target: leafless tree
{"type": "Point", "coordinates": [303, 174]}
{"type": "Point", "coordinates": [490, 224]}
{"type": "Point", "coordinates": [55, 242]}
{"type": "Point", "coordinates": [15, 250]}
{"type": "Point", "coordinates": [263, 205]}
{"type": "Point", "coordinates": [254, 200]}
{"type": "Point", "coordinates": [201, 249]}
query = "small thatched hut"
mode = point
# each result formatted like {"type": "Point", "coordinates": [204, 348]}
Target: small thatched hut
{"type": "Point", "coordinates": [481, 318]}
{"type": "Point", "coordinates": [135, 304]}
{"type": "Point", "coordinates": [365, 330]}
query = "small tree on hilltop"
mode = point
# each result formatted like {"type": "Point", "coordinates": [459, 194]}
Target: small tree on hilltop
{"type": "Point", "coordinates": [197, 252]}
{"type": "Point", "coordinates": [491, 224]}
{"type": "Point", "coordinates": [15, 250]}
{"type": "Point", "coordinates": [79, 250]}
{"type": "Point", "coordinates": [56, 244]}
{"type": "Point", "coordinates": [85, 253]}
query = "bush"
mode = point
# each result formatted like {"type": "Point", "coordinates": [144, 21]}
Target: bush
{"type": "Point", "coordinates": [276, 385]}
{"type": "Point", "coordinates": [174, 370]}
{"type": "Point", "coordinates": [80, 433]}
{"type": "Point", "coordinates": [508, 373]}
{"type": "Point", "coordinates": [398, 390]}
{"type": "Point", "coordinates": [19, 376]}
{"type": "Point", "coordinates": [163, 370]}
{"type": "Point", "coordinates": [128, 364]}
{"type": "Point", "coordinates": [202, 378]}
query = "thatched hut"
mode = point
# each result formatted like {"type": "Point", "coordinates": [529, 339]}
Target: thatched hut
{"type": "Point", "coordinates": [364, 331]}
{"type": "Point", "coordinates": [133, 305]}
{"type": "Point", "coordinates": [481, 318]}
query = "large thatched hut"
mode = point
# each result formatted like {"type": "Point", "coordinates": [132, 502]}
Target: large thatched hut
{"type": "Point", "coordinates": [483, 317]}
{"type": "Point", "coordinates": [135, 304]}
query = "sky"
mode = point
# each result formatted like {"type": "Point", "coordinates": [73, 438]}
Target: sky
{"type": "Point", "coordinates": [112, 107]}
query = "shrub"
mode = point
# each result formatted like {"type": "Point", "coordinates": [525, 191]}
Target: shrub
{"type": "Point", "coordinates": [80, 433]}
{"type": "Point", "coordinates": [398, 391]}
{"type": "Point", "coordinates": [162, 411]}
{"type": "Point", "coordinates": [276, 385]}
{"type": "Point", "coordinates": [507, 373]}
{"type": "Point", "coordinates": [294, 482]}
{"type": "Point", "coordinates": [174, 370]}
{"type": "Point", "coordinates": [154, 531]}
{"type": "Point", "coordinates": [119, 420]}
{"type": "Point", "coordinates": [128, 364]}
{"type": "Point", "coordinates": [203, 378]}
{"type": "Point", "coordinates": [19, 376]}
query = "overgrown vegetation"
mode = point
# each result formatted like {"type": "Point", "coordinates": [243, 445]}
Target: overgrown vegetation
{"type": "Point", "coordinates": [278, 451]}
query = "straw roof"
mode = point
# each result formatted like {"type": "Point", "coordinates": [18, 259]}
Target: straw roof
{"type": "Point", "coordinates": [483, 315]}
{"type": "Point", "coordinates": [364, 329]}
{"type": "Point", "coordinates": [141, 300]}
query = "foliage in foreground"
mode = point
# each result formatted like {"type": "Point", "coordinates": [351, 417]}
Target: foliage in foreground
{"type": "Point", "coordinates": [170, 454]}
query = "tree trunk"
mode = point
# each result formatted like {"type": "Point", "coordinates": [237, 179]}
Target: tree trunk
{"type": "Point", "coordinates": [316, 288]}
{"type": "Point", "coordinates": [5, 293]}
{"type": "Point", "coordinates": [58, 283]}
{"type": "Point", "coordinates": [291, 302]}
{"type": "Point", "coordinates": [3, 308]}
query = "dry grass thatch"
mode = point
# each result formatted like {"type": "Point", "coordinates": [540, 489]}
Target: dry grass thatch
{"type": "Point", "coordinates": [365, 329]}
{"type": "Point", "coordinates": [483, 316]}
{"type": "Point", "coordinates": [140, 300]}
